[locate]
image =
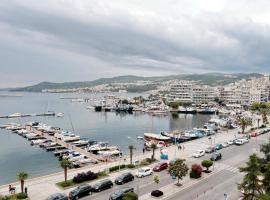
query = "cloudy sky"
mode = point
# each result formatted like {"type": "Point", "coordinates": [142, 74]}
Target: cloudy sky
{"type": "Point", "coordinates": [76, 40]}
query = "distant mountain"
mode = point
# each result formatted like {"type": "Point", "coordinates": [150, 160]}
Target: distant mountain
{"type": "Point", "coordinates": [208, 79]}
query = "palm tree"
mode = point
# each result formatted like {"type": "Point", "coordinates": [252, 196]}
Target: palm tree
{"type": "Point", "coordinates": [258, 122]}
{"type": "Point", "coordinates": [65, 164]}
{"type": "Point", "coordinates": [153, 147]}
{"type": "Point", "coordinates": [244, 123]}
{"type": "Point", "coordinates": [22, 176]}
{"type": "Point", "coordinates": [130, 147]}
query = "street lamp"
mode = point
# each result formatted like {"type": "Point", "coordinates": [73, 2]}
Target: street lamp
{"type": "Point", "coordinates": [136, 141]}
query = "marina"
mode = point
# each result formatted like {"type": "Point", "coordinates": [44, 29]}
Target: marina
{"type": "Point", "coordinates": [115, 128]}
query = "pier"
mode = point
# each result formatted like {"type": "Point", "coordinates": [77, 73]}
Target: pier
{"type": "Point", "coordinates": [63, 144]}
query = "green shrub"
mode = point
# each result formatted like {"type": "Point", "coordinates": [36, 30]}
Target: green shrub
{"type": "Point", "coordinates": [102, 174]}
{"type": "Point", "coordinates": [130, 196]}
{"type": "Point", "coordinates": [130, 166]}
{"type": "Point", "coordinates": [115, 168]}
{"type": "Point", "coordinates": [4, 197]}
{"type": "Point", "coordinates": [21, 196]}
{"type": "Point", "coordinates": [66, 184]}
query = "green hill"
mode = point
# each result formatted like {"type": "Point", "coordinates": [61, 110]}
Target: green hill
{"type": "Point", "coordinates": [208, 79]}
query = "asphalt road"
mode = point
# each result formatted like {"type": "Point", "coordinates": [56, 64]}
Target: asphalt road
{"type": "Point", "coordinates": [211, 188]}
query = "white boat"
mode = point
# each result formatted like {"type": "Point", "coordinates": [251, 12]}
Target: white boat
{"type": "Point", "coordinates": [70, 137]}
{"type": "Point", "coordinates": [158, 137]}
{"type": "Point", "coordinates": [37, 142]}
{"type": "Point", "coordinates": [114, 152]}
{"type": "Point", "coordinates": [15, 115]}
{"type": "Point", "coordinates": [75, 158]}
{"type": "Point", "coordinates": [60, 114]}
{"type": "Point", "coordinates": [80, 143]}
{"type": "Point", "coordinates": [30, 135]}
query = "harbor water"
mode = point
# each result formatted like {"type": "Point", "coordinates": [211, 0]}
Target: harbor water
{"type": "Point", "coordinates": [16, 154]}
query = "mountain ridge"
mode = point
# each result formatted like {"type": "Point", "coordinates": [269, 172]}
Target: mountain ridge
{"type": "Point", "coordinates": [206, 78]}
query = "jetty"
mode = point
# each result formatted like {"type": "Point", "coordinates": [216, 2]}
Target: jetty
{"type": "Point", "coordinates": [62, 145]}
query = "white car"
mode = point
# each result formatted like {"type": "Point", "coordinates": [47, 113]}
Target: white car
{"type": "Point", "coordinates": [145, 171]}
{"type": "Point", "coordinates": [225, 144]}
{"type": "Point", "coordinates": [198, 153]}
{"type": "Point", "coordinates": [230, 142]}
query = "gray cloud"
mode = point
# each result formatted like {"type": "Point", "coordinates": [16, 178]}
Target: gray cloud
{"type": "Point", "coordinates": [91, 39]}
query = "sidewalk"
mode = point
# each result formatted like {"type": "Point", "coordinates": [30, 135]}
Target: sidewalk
{"type": "Point", "coordinates": [42, 187]}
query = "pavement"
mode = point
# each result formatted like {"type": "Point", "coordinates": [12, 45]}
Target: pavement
{"type": "Point", "coordinates": [211, 186]}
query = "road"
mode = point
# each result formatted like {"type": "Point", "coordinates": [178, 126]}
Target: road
{"type": "Point", "coordinates": [210, 188]}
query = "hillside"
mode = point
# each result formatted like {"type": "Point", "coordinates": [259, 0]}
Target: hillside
{"type": "Point", "coordinates": [208, 79]}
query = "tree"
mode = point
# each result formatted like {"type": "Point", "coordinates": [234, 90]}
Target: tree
{"type": "Point", "coordinates": [244, 123]}
{"type": "Point", "coordinates": [22, 176]}
{"type": "Point", "coordinates": [258, 122]}
{"type": "Point", "coordinates": [156, 180]}
{"type": "Point", "coordinates": [130, 196]}
{"type": "Point", "coordinates": [153, 147]}
{"type": "Point", "coordinates": [196, 171]}
{"type": "Point", "coordinates": [207, 164]}
{"type": "Point", "coordinates": [266, 179]}
{"type": "Point", "coordinates": [65, 164]}
{"type": "Point", "coordinates": [131, 147]}
{"type": "Point", "coordinates": [251, 185]}
{"type": "Point", "coordinates": [265, 148]}
{"type": "Point", "coordinates": [264, 113]}
{"type": "Point", "coordinates": [178, 169]}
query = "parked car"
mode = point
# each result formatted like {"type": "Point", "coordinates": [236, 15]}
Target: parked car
{"type": "Point", "coordinates": [216, 157]}
{"type": "Point", "coordinates": [225, 144]}
{"type": "Point", "coordinates": [103, 185]}
{"type": "Point", "coordinates": [120, 193]}
{"type": "Point", "coordinates": [239, 142]}
{"type": "Point", "coordinates": [210, 150]}
{"type": "Point", "coordinates": [219, 146]}
{"type": "Point", "coordinates": [145, 171]}
{"type": "Point", "coordinates": [198, 153]}
{"type": "Point", "coordinates": [57, 196]}
{"type": "Point", "coordinates": [80, 191]}
{"type": "Point", "coordinates": [161, 166]}
{"type": "Point", "coordinates": [124, 178]}
{"type": "Point", "coordinates": [253, 134]}
{"type": "Point", "coordinates": [230, 142]}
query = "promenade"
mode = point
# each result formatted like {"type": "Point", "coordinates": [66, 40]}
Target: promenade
{"type": "Point", "coordinates": [42, 187]}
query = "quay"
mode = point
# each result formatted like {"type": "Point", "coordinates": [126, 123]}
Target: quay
{"type": "Point", "coordinates": [18, 115]}
{"type": "Point", "coordinates": [62, 144]}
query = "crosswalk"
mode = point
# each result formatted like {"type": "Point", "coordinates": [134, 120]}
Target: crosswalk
{"type": "Point", "coordinates": [230, 168]}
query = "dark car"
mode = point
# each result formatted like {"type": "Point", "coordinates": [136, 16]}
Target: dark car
{"type": "Point", "coordinates": [120, 193]}
{"type": "Point", "coordinates": [124, 178]}
{"type": "Point", "coordinates": [80, 191]}
{"type": "Point", "coordinates": [216, 157]}
{"type": "Point", "coordinates": [103, 185]}
{"type": "Point", "coordinates": [161, 166]}
{"type": "Point", "coordinates": [57, 196]}
{"type": "Point", "coordinates": [219, 146]}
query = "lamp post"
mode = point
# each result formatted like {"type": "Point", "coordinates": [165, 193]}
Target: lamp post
{"type": "Point", "coordinates": [138, 180]}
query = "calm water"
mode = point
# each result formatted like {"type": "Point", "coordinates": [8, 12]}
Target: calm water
{"type": "Point", "coordinates": [16, 154]}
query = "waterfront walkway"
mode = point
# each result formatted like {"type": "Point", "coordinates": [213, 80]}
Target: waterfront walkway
{"type": "Point", "coordinates": [41, 187]}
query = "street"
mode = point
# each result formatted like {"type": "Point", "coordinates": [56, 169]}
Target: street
{"type": "Point", "coordinates": [211, 188]}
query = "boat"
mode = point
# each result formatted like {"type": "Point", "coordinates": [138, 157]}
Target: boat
{"type": "Point", "coordinates": [80, 143]}
{"type": "Point", "coordinates": [60, 114]}
{"type": "Point", "coordinates": [206, 110]}
{"type": "Point", "coordinates": [123, 108]}
{"type": "Point", "coordinates": [98, 108]}
{"type": "Point", "coordinates": [156, 138]}
{"type": "Point", "coordinates": [187, 110]}
{"type": "Point", "coordinates": [37, 142]}
{"type": "Point", "coordinates": [14, 115]}
{"type": "Point", "coordinates": [70, 137]}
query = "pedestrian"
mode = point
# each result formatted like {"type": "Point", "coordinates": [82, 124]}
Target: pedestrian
{"type": "Point", "coordinates": [143, 150]}
{"type": "Point", "coordinates": [180, 147]}
{"type": "Point", "coordinates": [183, 147]}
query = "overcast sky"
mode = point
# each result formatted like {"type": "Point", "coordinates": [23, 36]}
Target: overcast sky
{"type": "Point", "coordinates": [76, 40]}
